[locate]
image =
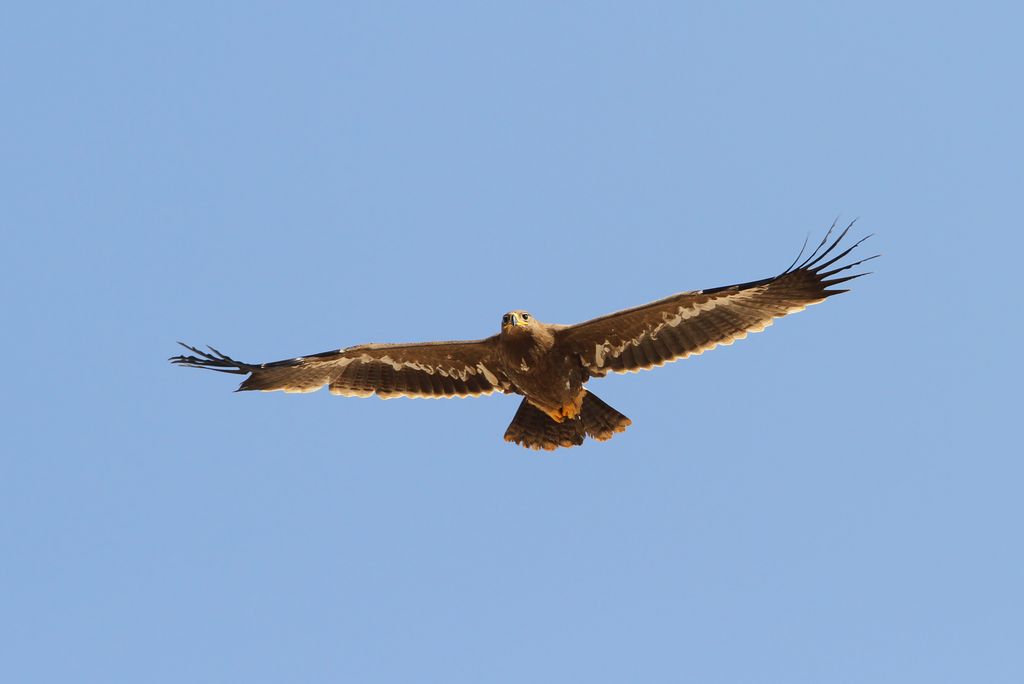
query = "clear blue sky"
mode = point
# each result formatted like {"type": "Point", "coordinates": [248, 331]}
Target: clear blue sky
{"type": "Point", "coordinates": [837, 499]}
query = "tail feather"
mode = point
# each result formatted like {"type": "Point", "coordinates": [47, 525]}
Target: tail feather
{"type": "Point", "coordinates": [601, 420]}
{"type": "Point", "coordinates": [534, 429]}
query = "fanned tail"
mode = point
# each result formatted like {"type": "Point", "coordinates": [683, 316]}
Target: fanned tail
{"type": "Point", "coordinates": [534, 429]}
{"type": "Point", "coordinates": [601, 420]}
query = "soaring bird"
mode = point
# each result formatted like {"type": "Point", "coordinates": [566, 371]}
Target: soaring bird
{"type": "Point", "coordinates": [549, 364]}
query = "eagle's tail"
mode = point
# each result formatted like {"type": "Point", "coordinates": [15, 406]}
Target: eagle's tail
{"type": "Point", "coordinates": [534, 429]}
{"type": "Point", "coordinates": [601, 420]}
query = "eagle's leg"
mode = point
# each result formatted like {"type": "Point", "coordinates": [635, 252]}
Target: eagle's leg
{"type": "Point", "coordinates": [559, 410]}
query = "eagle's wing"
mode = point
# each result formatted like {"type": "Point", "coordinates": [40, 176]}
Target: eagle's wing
{"type": "Point", "coordinates": [429, 369]}
{"type": "Point", "coordinates": [693, 322]}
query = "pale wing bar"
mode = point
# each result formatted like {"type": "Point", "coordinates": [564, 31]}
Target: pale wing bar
{"type": "Point", "coordinates": [431, 370]}
{"type": "Point", "coordinates": [693, 322]}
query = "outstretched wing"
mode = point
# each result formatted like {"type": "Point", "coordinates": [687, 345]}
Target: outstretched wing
{"type": "Point", "coordinates": [429, 369]}
{"type": "Point", "coordinates": [694, 322]}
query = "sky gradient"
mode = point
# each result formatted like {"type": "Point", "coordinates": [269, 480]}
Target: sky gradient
{"type": "Point", "coordinates": [836, 499]}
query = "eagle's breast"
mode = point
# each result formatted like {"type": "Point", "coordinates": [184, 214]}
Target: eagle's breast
{"type": "Point", "coordinates": [545, 374]}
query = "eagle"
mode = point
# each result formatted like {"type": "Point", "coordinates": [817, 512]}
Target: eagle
{"type": "Point", "coordinates": [550, 364]}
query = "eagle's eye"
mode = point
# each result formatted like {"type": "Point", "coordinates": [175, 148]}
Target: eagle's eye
{"type": "Point", "coordinates": [504, 319]}
{"type": "Point", "coordinates": [526, 316]}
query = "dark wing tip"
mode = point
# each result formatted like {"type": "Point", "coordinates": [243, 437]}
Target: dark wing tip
{"type": "Point", "coordinates": [211, 360]}
{"type": "Point", "coordinates": [815, 264]}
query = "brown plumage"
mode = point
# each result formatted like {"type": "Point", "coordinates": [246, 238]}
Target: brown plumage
{"type": "Point", "coordinates": [549, 364]}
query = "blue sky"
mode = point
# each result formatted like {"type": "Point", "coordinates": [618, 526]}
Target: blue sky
{"type": "Point", "coordinates": [834, 500]}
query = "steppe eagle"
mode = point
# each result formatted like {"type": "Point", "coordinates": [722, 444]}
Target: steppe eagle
{"type": "Point", "coordinates": [549, 364]}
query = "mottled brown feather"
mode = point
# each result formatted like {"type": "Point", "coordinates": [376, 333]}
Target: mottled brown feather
{"type": "Point", "coordinates": [430, 369]}
{"type": "Point", "coordinates": [693, 322]}
{"type": "Point", "coordinates": [534, 429]}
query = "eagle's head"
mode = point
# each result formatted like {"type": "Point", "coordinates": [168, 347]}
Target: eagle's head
{"type": "Point", "coordinates": [517, 322]}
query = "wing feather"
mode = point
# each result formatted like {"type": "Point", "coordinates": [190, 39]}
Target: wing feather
{"type": "Point", "coordinates": [691, 323]}
{"type": "Point", "coordinates": [428, 369]}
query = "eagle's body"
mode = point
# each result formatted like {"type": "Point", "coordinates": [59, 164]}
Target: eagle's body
{"type": "Point", "coordinates": [549, 364]}
{"type": "Point", "coordinates": [539, 369]}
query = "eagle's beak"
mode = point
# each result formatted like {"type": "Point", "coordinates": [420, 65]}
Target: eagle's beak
{"type": "Point", "coordinates": [513, 320]}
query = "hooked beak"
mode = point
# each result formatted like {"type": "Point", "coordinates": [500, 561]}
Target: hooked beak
{"type": "Point", "coordinates": [514, 320]}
